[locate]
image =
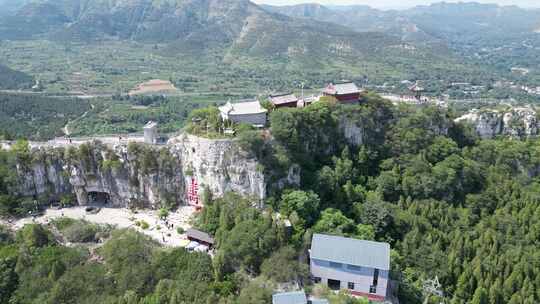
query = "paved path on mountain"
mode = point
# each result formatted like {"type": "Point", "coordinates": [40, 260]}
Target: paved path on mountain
{"type": "Point", "coordinates": [64, 142]}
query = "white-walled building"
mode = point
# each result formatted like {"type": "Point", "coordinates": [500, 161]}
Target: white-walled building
{"type": "Point", "coordinates": [358, 266]}
{"type": "Point", "coordinates": [151, 133]}
{"type": "Point", "coordinates": [250, 112]}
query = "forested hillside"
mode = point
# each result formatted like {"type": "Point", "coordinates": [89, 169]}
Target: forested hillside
{"type": "Point", "coordinates": [489, 35]}
{"type": "Point", "coordinates": [221, 37]}
{"type": "Point", "coordinates": [36, 117]}
{"type": "Point", "coordinates": [452, 206]}
{"type": "Point", "coordinates": [12, 80]}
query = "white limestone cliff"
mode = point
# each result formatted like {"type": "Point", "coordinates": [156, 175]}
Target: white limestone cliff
{"type": "Point", "coordinates": [220, 165]}
{"type": "Point", "coordinates": [145, 176]}
{"type": "Point", "coordinates": [516, 122]}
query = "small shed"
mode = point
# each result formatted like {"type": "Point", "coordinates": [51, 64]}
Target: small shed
{"type": "Point", "coordinates": [295, 297]}
{"type": "Point", "coordinates": [200, 237]}
{"type": "Point", "coordinates": [151, 133]}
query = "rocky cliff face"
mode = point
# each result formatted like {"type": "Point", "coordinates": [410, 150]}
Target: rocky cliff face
{"type": "Point", "coordinates": [516, 122]}
{"type": "Point", "coordinates": [219, 165]}
{"type": "Point", "coordinates": [141, 175]}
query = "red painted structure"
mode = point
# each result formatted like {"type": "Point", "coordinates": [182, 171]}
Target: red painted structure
{"type": "Point", "coordinates": [370, 296]}
{"type": "Point", "coordinates": [193, 194]}
{"type": "Point", "coordinates": [343, 92]}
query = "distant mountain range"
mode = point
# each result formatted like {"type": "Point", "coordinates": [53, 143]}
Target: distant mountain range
{"type": "Point", "coordinates": [308, 32]}
{"type": "Point", "coordinates": [242, 25]}
{"type": "Point", "coordinates": [448, 22]}
{"type": "Point", "coordinates": [189, 24]}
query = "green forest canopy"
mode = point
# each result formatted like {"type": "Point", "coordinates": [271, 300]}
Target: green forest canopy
{"type": "Point", "coordinates": [452, 206]}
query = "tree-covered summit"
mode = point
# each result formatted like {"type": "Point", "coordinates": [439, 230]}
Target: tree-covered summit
{"type": "Point", "coordinates": [453, 207]}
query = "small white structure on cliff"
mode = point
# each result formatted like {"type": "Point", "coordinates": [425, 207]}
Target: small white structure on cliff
{"type": "Point", "coordinates": [250, 112]}
{"type": "Point", "coordinates": [150, 133]}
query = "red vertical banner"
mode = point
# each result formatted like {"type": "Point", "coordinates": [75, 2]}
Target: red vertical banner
{"type": "Point", "coordinates": [193, 194]}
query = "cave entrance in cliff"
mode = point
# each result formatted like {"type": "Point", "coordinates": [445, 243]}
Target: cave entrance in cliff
{"type": "Point", "coordinates": [99, 198]}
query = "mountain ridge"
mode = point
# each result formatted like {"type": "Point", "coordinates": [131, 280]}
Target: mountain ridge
{"type": "Point", "coordinates": [197, 24]}
{"type": "Point", "coordinates": [433, 23]}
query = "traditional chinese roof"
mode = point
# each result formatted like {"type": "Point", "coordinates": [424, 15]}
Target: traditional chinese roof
{"type": "Point", "coordinates": [150, 125]}
{"type": "Point", "coordinates": [350, 251]}
{"type": "Point", "coordinates": [199, 235]}
{"type": "Point", "coordinates": [342, 89]}
{"type": "Point", "coordinates": [242, 108]}
{"type": "Point", "coordinates": [283, 99]}
{"type": "Point", "coordinates": [416, 88]}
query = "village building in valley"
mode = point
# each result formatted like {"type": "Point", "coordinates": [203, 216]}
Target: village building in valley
{"type": "Point", "coordinates": [358, 266]}
{"type": "Point", "coordinates": [249, 112]}
{"type": "Point", "coordinates": [344, 92]}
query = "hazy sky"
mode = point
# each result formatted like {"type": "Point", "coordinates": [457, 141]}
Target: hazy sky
{"type": "Point", "coordinates": [396, 3]}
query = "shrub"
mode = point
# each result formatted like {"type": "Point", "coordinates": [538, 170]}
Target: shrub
{"type": "Point", "coordinates": [84, 233]}
{"type": "Point", "coordinates": [143, 224]}
{"type": "Point", "coordinates": [33, 236]}
{"type": "Point", "coordinates": [111, 164]}
{"type": "Point", "coordinates": [63, 223]}
{"type": "Point", "coordinates": [163, 213]}
{"type": "Point", "coordinates": [67, 200]}
{"type": "Point", "coordinates": [77, 231]}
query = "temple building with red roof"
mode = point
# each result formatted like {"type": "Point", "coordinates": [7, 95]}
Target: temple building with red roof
{"type": "Point", "coordinates": [344, 92]}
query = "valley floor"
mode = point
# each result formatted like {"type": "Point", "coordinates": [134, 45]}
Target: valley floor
{"type": "Point", "coordinates": [123, 218]}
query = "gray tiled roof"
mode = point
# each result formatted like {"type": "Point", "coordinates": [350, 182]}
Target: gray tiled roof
{"type": "Point", "coordinates": [150, 125]}
{"type": "Point", "coordinates": [295, 297]}
{"type": "Point", "coordinates": [350, 251]}
{"type": "Point", "coordinates": [283, 99]}
{"type": "Point", "coordinates": [199, 235]}
{"type": "Point", "coordinates": [242, 108]}
{"type": "Point", "coordinates": [342, 88]}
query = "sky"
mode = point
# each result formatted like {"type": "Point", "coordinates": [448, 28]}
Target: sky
{"type": "Point", "coordinates": [387, 4]}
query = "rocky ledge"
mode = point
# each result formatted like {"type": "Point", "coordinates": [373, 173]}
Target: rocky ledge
{"type": "Point", "coordinates": [519, 122]}
{"type": "Point", "coordinates": [139, 175]}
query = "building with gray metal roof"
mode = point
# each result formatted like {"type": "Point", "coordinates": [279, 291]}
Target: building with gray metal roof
{"type": "Point", "coordinates": [351, 251]}
{"type": "Point", "coordinates": [295, 297]}
{"type": "Point", "coordinates": [358, 266]}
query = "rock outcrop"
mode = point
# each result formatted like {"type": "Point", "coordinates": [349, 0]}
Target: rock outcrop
{"type": "Point", "coordinates": [519, 122]}
{"type": "Point", "coordinates": [219, 165]}
{"type": "Point", "coordinates": [140, 175]}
